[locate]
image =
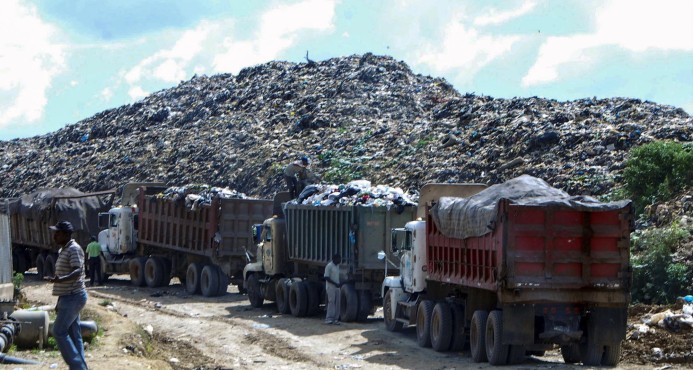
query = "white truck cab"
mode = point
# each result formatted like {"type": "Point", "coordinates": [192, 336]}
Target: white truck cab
{"type": "Point", "coordinates": [120, 230]}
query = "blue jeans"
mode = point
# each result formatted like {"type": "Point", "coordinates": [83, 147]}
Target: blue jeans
{"type": "Point", "coordinates": [66, 329]}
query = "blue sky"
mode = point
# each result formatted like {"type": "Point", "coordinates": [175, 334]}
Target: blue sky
{"type": "Point", "coordinates": [64, 60]}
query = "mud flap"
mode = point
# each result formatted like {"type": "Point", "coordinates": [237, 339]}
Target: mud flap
{"type": "Point", "coordinates": [607, 325]}
{"type": "Point", "coordinates": [518, 324]}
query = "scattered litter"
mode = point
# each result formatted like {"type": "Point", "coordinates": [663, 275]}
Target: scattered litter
{"type": "Point", "coordinates": [261, 326]}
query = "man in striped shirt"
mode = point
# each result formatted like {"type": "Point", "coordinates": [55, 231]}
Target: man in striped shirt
{"type": "Point", "coordinates": [68, 285]}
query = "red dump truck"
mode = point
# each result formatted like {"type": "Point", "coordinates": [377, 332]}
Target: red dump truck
{"type": "Point", "coordinates": [32, 214]}
{"type": "Point", "coordinates": [154, 239]}
{"type": "Point", "coordinates": [518, 268]}
{"type": "Point", "coordinates": [296, 245]}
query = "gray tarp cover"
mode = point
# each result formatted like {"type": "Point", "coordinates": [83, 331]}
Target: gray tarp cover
{"type": "Point", "coordinates": [82, 212]}
{"type": "Point", "coordinates": [475, 216]}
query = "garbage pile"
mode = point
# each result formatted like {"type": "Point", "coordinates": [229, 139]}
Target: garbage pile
{"type": "Point", "coordinates": [361, 116]}
{"type": "Point", "coordinates": [196, 195]}
{"type": "Point", "coordinates": [358, 192]}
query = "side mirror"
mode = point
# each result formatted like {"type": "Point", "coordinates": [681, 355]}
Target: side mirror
{"type": "Point", "coordinates": [394, 241]}
{"type": "Point", "coordinates": [256, 230]}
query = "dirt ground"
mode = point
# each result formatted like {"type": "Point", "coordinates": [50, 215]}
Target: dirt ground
{"type": "Point", "coordinates": [155, 328]}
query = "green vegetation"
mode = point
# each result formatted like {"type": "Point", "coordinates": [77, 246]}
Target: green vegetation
{"type": "Point", "coordinates": [339, 170]}
{"type": "Point", "coordinates": [657, 171]}
{"type": "Point", "coordinates": [17, 280]}
{"type": "Point", "coordinates": [657, 277]}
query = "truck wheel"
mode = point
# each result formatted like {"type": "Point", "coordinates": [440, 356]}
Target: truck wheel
{"type": "Point", "coordinates": [441, 327]}
{"type": "Point", "coordinates": [298, 299]}
{"type": "Point", "coordinates": [496, 351]}
{"type": "Point", "coordinates": [223, 282]}
{"type": "Point", "coordinates": [477, 336]}
{"type": "Point", "coordinates": [209, 281]}
{"type": "Point", "coordinates": [391, 322]}
{"type": "Point", "coordinates": [458, 336]}
{"type": "Point", "coordinates": [570, 353]}
{"type": "Point", "coordinates": [348, 303]}
{"type": "Point", "coordinates": [19, 262]}
{"type": "Point", "coordinates": [192, 278]}
{"type": "Point", "coordinates": [282, 291]}
{"type": "Point", "coordinates": [313, 297]}
{"type": "Point", "coordinates": [153, 272]}
{"type": "Point", "coordinates": [166, 266]}
{"type": "Point", "coordinates": [612, 355]}
{"type": "Point", "coordinates": [591, 354]}
{"type": "Point", "coordinates": [136, 267]}
{"type": "Point", "coordinates": [41, 265]}
{"type": "Point", "coordinates": [365, 305]}
{"type": "Point", "coordinates": [49, 267]}
{"type": "Point", "coordinates": [423, 323]}
{"type": "Point", "coordinates": [254, 291]}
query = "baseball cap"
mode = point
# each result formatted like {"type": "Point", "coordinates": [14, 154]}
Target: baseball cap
{"type": "Point", "coordinates": [63, 226]}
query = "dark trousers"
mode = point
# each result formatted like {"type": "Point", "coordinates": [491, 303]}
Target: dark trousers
{"type": "Point", "coordinates": [292, 184]}
{"type": "Point", "coordinates": [94, 270]}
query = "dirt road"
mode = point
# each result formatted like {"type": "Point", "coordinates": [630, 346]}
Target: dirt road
{"type": "Point", "coordinates": [147, 328]}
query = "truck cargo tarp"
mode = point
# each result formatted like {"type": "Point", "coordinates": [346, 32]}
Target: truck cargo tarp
{"type": "Point", "coordinates": [475, 216]}
{"type": "Point", "coordinates": [65, 204]}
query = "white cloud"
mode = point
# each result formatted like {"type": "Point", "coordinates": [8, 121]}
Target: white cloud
{"type": "Point", "coordinates": [31, 57]}
{"type": "Point", "coordinates": [636, 26]}
{"type": "Point", "coordinates": [137, 93]}
{"type": "Point", "coordinates": [107, 94]}
{"type": "Point", "coordinates": [494, 16]}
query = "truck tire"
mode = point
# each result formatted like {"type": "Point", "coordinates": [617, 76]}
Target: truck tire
{"type": "Point", "coordinates": [313, 297]}
{"type": "Point", "coordinates": [298, 299]}
{"type": "Point", "coordinates": [209, 281]}
{"type": "Point", "coordinates": [477, 336]}
{"type": "Point", "coordinates": [391, 322]}
{"type": "Point", "coordinates": [458, 335]}
{"type": "Point", "coordinates": [136, 267]}
{"type": "Point", "coordinates": [348, 303]}
{"type": "Point", "coordinates": [365, 305]}
{"type": "Point", "coordinates": [49, 267]}
{"type": "Point", "coordinates": [192, 278]}
{"type": "Point", "coordinates": [441, 327]}
{"type": "Point", "coordinates": [570, 353]}
{"type": "Point", "coordinates": [19, 262]}
{"type": "Point", "coordinates": [591, 353]}
{"type": "Point", "coordinates": [254, 291]}
{"type": "Point", "coordinates": [223, 282]}
{"type": "Point", "coordinates": [41, 265]}
{"type": "Point", "coordinates": [282, 291]}
{"type": "Point", "coordinates": [153, 272]}
{"type": "Point", "coordinates": [166, 265]}
{"type": "Point", "coordinates": [612, 354]}
{"type": "Point", "coordinates": [423, 323]}
{"type": "Point", "coordinates": [496, 351]}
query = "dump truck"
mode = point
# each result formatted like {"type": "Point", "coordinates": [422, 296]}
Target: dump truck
{"type": "Point", "coordinates": [297, 243]}
{"type": "Point", "coordinates": [155, 239]}
{"type": "Point", "coordinates": [31, 215]}
{"type": "Point", "coordinates": [517, 268]}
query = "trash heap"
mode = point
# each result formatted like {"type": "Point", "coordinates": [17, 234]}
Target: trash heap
{"type": "Point", "coordinates": [196, 195]}
{"type": "Point", "coordinates": [358, 192]}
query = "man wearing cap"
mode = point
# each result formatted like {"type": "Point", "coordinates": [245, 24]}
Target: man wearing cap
{"type": "Point", "coordinates": [68, 285]}
{"type": "Point", "coordinates": [298, 175]}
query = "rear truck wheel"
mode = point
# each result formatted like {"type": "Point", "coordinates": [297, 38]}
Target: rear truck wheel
{"type": "Point", "coordinates": [254, 291]}
{"type": "Point", "coordinates": [391, 322]}
{"type": "Point", "coordinates": [282, 291]}
{"type": "Point", "coordinates": [423, 323]}
{"type": "Point", "coordinates": [313, 297]}
{"type": "Point", "coordinates": [477, 336]}
{"type": "Point", "coordinates": [612, 354]}
{"type": "Point", "coordinates": [136, 267]}
{"type": "Point", "coordinates": [441, 327]}
{"type": "Point", "coordinates": [591, 353]}
{"type": "Point", "coordinates": [192, 278]}
{"type": "Point", "coordinates": [49, 267]}
{"type": "Point", "coordinates": [570, 353]}
{"type": "Point", "coordinates": [348, 303]}
{"type": "Point", "coordinates": [298, 299]}
{"type": "Point", "coordinates": [365, 305]}
{"type": "Point", "coordinates": [153, 272]}
{"type": "Point", "coordinates": [166, 266]}
{"type": "Point", "coordinates": [458, 336]}
{"type": "Point", "coordinates": [496, 351]}
{"type": "Point", "coordinates": [41, 265]}
{"type": "Point", "coordinates": [223, 282]}
{"type": "Point", "coordinates": [209, 281]}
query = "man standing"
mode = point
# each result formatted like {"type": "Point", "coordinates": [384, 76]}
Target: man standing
{"type": "Point", "coordinates": [333, 285]}
{"type": "Point", "coordinates": [297, 175]}
{"type": "Point", "coordinates": [68, 285]}
{"type": "Point", "coordinates": [93, 253]}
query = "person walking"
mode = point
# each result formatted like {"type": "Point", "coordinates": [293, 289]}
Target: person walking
{"type": "Point", "coordinates": [68, 285]}
{"type": "Point", "coordinates": [93, 254]}
{"type": "Point", "coordinates": [333, 285]}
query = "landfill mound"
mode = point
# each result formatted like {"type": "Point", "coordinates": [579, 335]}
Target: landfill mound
{"type": "Point", "coordinates": [363, 116]}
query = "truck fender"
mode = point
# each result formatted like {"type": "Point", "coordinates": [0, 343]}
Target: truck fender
{"type": "Point", "coordinates": [390, 282]}
{"type": "Point", "coordinates": [251, 267]}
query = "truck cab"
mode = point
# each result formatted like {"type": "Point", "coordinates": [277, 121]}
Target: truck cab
{"type": "Point", "coordinates": [119, 234]}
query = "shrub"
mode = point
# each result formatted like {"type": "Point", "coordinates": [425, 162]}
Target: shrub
{"type": "Point", "coordinates": [657, 278]}
{"type": "Point", "coordinates": [656, 171]}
